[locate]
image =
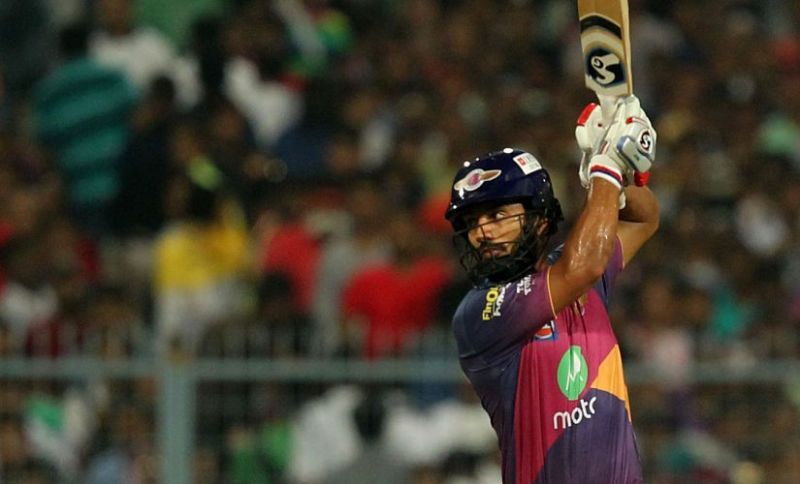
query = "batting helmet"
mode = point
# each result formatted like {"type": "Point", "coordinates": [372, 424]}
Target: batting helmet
{"type": "Point", "coordinates": [498, 178]}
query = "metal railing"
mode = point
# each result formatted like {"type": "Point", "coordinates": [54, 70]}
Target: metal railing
{"type": "Point", "coordinates": [178, 380]}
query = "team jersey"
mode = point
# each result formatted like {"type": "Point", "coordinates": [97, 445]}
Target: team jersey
{"type": "Point", "coordinates": [553, 386]}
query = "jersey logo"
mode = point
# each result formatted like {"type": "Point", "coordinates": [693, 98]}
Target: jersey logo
{"type": "Point", "coordinates": [573, 373]}
{"type": "Point", "coordinates": [546, 332]}
{"type": "Point", "coordinates": [525, 285]}
{"type": "Point", "coordinates": [572, 376]}
{"type": "Point", "coordinates": [565, 420]}
{"type": "Point", "coordinates": [494, 301]}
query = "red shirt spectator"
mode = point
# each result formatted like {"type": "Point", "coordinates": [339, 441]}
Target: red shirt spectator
{"type": "Point", "coordinates": [295, 252]}
{"type": "Point", "coordinates": [395, 302]}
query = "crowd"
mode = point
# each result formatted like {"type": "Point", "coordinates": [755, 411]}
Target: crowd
{"type": "Point", "coordinates": [267, 179]}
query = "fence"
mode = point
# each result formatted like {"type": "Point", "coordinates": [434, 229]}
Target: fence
{"type": "Point", "coordinates": [737, 411]}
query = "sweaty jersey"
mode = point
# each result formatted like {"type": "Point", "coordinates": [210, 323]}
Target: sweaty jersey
{"type": "Point", "coordinates": [553, 386]}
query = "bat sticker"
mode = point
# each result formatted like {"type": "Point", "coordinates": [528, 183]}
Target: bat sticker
{"type": "Point", "coordinates": [605, 67]}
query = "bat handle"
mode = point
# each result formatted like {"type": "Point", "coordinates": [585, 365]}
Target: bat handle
{"type": "Point", "coordinates": [608, 106]}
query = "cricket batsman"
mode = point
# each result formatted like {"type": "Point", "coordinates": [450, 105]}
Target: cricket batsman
{"type": "Point", "coordinates": [534, 335]}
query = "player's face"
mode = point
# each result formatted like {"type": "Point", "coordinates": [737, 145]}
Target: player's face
{"type": "Point", "coordinates": [495, 231]}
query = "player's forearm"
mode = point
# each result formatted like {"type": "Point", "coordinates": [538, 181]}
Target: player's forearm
{"type": "Point", "coordinates": [588, 247]}
{"type": "Point", "coordinates": [641, 207]}
{"type": "Point", "coordinates": [591, 241]}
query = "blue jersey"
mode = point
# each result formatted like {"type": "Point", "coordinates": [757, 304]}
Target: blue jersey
{"type": "Point", "coordinates": [552, 384]}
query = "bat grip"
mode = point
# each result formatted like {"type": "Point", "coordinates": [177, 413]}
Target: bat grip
{"type": "Point", "coordinates": [608, 107]}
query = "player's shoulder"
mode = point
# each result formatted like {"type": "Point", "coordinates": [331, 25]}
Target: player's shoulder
{"type": "Point", "coordinates": [482, 304]}
{"type": "Point", "coordinates": [471, 300]}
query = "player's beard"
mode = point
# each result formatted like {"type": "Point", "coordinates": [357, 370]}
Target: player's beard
{"type": "Point", "coordinates": [501, 262]}
{"type": "Point", "coordinates": [497, 250]}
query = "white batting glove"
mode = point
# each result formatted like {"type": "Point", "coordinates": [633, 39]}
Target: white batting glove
{"type": "Point", "coordinates": [590, 128]}
{"type": "Point", "coordinates": [628, 141]}
{"type": "Point", "coordinates": [631, 141]}
{"type": "Point", "coordinates": [589, 132]}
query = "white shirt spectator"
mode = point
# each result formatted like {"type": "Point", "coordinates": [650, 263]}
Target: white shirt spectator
{"type": "Point", "coordinates": [325, 438]}
{"type": "Point", "coordinates": [270, 106]}
{"type": "Point", "coordinates": [22, 307]}
{"type": "Point", "coordinates": [142, 54]}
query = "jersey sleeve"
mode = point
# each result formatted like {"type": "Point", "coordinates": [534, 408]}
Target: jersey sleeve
{"type": "Point", "coordinates": [496, 319]}
{"type": "Point", "coordinates": [615, 265]}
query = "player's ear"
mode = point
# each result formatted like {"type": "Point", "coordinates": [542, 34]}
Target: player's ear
{"type": "Point", "coordinates": [542, 225]}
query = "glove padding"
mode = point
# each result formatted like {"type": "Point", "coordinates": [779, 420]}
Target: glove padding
{"type": "Point", "coordinates": [590, 129]}
{"type": "Point", "coordinates": [627, 144]}
{"type": "Point", "coordinates": [632, 138]}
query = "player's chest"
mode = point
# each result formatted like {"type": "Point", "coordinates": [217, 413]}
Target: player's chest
{"type": "Point", "coordinates": [581, 327]}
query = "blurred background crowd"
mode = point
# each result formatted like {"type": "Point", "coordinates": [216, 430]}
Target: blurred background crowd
{"type": "Point", "coordinates": [266, 179]}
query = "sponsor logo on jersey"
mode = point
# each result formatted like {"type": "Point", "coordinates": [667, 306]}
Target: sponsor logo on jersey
{"type": "Point", "coordinates": [525, 285]}
{"type": "Point", "coordinates": [566, 419]}
{"type": "Point", "coordinates": [546, 332]}
{"type": "Point", "coordinates": [494, 301]}
{"type": "Point", "coordinates": [573, 373]}
{"type": "Point", "coordinates": [475, 179]}
{"type": "Point", "coordinates": [572, 376]}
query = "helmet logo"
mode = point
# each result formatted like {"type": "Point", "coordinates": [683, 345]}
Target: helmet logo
{"type": "Point", "coordinates": [527, 163]}
{"type": "Point", "coordinates": [475, 179]}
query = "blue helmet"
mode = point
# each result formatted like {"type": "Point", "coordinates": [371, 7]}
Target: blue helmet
{"type": "Point", "coordinates": [498, 178]}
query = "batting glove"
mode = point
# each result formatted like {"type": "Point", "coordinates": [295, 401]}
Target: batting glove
{"type": "Point", "coordinates": [590, 129]}
{"type": "Point", "coordinates": [589, 132]}
{"type": "Point", "coordinates": [631, 141]}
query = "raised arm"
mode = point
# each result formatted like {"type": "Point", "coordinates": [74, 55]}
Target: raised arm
{"type": "Point", "coordinates": [588, 246]}
{"type": "Point", "coordinates": [638, 221]}
{"type": "Point", "coordinates": [613, 155]}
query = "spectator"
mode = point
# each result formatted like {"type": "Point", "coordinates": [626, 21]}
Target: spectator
{"type": "Point", "coordinates": [261, 448]}
{"type": "Point", "coordinates": [25, 44]}
{"type": "Point", "coordinates": [303, 146]}
{"type": "Point", "coordinates": [124, 459]}
{"type": "Point", "coordinates": [235, 152]}
{"type": "Point", "coordinates": [8, 347]}
{"type": "Point", "coordinates": [362, 243]}
{"type": "Point", "coordinates": [289, 246]}
{"type": "Point", "coordinates": [325, 438]}
{"type": "Point", "coordinates": [13, 451]}
{"type": "Point", "coordinates": [256, 78]}
{"type": "Point", "coordinates": [82, 112]}
{"type": "Point", "coordinates": [200, 259]}
{"type": "Point", "coordinates": [386, 304]}
{"type": "Point", "coordinates": [278, 330]}
{"type": "Point", "coordinates": [145, 164]}
{"type": "Point", "coordinates": [141, 52]}
{"type": "Point", "coordinates": [376, 461]}
{"type": "Point", "coordinates": [114, 330]}
{"type": "Point", "coordinates": [28, 299]}
{"type": "Point", "coordinates": [72, 268]}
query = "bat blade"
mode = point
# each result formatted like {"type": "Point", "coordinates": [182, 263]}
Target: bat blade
{"type": "Point", "coordinates": [605, 42]}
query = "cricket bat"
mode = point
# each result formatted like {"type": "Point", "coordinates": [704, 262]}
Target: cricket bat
{"type": "Point", "coordinates": [606, 46]}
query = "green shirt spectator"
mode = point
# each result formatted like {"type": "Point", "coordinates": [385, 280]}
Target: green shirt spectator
{"type": "Point", "coordinates": [82, 112]}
